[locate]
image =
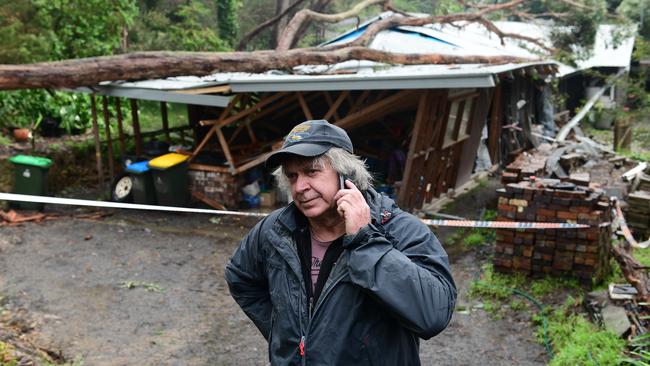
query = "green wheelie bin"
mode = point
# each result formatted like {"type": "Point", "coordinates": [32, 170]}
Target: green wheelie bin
{"type": "Point", "coordinates": [31, 178]}
{"type": "Point", "coordinates": [170, 179]}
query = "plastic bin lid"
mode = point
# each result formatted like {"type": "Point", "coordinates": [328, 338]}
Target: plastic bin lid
{"type": "Point", "coordinates": [167, 161]}
{"type": "Point", "coordinates": [31, 160]}
{"type": "Point", "coordinates": [139, 167]}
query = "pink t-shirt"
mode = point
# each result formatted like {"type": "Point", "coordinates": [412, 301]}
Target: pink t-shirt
{"type": "Point", "coordinates": [318, 249]}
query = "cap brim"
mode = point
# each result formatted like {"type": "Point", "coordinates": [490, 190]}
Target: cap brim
{"type": "Point", "coordinates": [304, 149]}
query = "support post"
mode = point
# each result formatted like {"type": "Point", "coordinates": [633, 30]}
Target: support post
{"type": "Point", "coordinates": [98, 151]}
{"type": "Point", "coordinates": [407, 180]}
{"type": "Point", "coordinates": [136, 127]}
{"type": "Point", "coordinates": [120, 128]}
{"type": "Point", "coordinates": [165, 121]}
{"type": "Point", "coordinates": [109, 141]}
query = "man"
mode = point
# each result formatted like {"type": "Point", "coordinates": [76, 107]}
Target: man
{"type": "Point", "coordinates": [341, 276]}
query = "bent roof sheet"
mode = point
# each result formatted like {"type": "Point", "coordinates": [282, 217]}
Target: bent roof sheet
{"type": "Point", "coordinates": [470, 39]}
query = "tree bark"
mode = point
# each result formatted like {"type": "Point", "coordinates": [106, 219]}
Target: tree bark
{"type": "Point", "coordinates": [152, 65]}
{"type": "Point", "coordinates": [633, 271]}
{"type": "Point", "coordinates": [281, 24]}
{"type": "Point", "coordinates": [288, 36]}
{"type": "Point", "coordinates": [318, 7]}
{"type": "Point", "coordinates": [248, 36]}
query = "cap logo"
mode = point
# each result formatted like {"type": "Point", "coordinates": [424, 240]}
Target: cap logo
{"type": "Point", "coordinates": [295, 134]}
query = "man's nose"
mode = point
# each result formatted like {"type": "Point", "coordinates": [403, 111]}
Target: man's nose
{"type": "Point", "coordinates": [302, 183]}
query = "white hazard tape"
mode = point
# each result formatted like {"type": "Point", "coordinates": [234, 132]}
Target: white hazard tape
{"type": "Point", "coordinates": [133, 206]}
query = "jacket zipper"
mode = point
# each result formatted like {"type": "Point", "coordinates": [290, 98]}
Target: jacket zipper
{"type": "Point", "coordinates": [301, 346]}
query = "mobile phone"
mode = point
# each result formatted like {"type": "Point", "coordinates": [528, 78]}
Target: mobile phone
{"type": "Point", "coordinates": [341, 181]}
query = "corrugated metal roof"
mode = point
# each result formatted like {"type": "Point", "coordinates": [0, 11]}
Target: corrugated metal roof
{"type": "Point", "coordinates": [460, 39]}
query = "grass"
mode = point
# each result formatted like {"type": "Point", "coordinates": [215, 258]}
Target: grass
{"type": "Point", "coordinates": [478, 236]}
{"type": "Point", "coordinates": [151, 287]}
{"type": "Point", "coordinates": [576, 341]}
{"type": "Point", "coordinates": [151, 119]}
{"type": "Point", "coordinates": [637, 155]}
{"type": "Point", "coordinates": [7, 357]}
{"type": "Point", "coordinates": [640, 148]}
{"type": "Point", "coordinates": [76, 362]}
{"type": "Point", "coordinates": [5, 141]}
{"type": "Point", "coordinates": [643, 256]}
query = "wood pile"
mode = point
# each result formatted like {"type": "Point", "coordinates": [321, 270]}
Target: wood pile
{"type": "Point", "coordinates": [581, 253]}
{"type": "Point", "coordinates": [220, 187]}
{"type": "Point", "coordinates": [638, 213]}
{"type": "Point", "coordinates": [644, 182]}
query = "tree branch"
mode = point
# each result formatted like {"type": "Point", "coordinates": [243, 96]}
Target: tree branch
{"type": "Point", "coordinates": [494, 29]}
{"type": "Point", "coordinates": [395, 21]}
{"type": "Point", "coordinates": [248, 36]}
{"type": "Point", "coordinates": [306, 15]}
{"type": "Point", "coordinates": [152, 65]}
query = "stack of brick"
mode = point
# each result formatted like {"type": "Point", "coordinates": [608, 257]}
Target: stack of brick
{"type": "Point", "coordinates": [638, 214]}
{"type": "Point", "coordinates": [580, 253]}
{"type": "Point", "coordinates": [220, 187]}
{"type": "Point", "coordinates": [526, 165]}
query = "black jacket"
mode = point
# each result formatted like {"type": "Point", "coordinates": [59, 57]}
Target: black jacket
{"type": "Point", "coordinates": [390, 286]}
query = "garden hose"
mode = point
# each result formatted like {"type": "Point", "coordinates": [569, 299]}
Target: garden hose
{"type": "Point", "coordinates": [540, 307]}
{"type": "Point", "coordinates": [527, 296]}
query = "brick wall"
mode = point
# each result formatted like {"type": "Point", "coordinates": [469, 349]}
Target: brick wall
{"type": "Point", "coordinates": [580, 253]}
{"type": "Point", "coordinates": [221, 187]}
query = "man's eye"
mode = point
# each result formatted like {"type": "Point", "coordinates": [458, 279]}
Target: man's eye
{"type": "Point", "coordinates": [312, 171]}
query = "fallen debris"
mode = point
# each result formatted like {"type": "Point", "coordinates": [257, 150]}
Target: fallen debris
{"type": "Point", "coordinates": [13, 218]}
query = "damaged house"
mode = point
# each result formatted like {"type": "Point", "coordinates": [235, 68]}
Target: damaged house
{"type": "Point", "coordinates": [418, 126]}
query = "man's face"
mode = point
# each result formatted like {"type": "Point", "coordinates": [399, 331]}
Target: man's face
{"type": "Point", "coordinates": [313, 186]}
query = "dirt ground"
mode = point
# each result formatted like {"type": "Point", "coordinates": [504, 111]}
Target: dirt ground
{"type": "Point", "coordinates": [148, 289]}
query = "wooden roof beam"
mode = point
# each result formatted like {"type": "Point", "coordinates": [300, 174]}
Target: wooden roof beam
{"type": "Point", "coordinates": [399, 101]}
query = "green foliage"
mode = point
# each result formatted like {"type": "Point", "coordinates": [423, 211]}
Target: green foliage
{"type": "Point", "coordinates": [72, 109]}
{"type": "Point", "coordinates": [23, 108]}
{"type": "Point", "coordinates": [4, 141]}
{"type": "Point", "coordinates": [548, 285]}
{"type": "Point", "coordinates": [496, 286]}
{"type": "Point", "coordinates": [151, 287]}
{"type": "Point", "coordinates": [474, 239]}
{"type": "Point", "coordinates": [85, 28]}
{"type": "Point", "coordinates": [190, 26]}
{"type": "Point", "coordinates": [637, 11]}
{"type": "Point", "coordinates": [642, 255]}
{"type": "Point", "coordinates": [444, 7]}
{"type": "Point", "coordinates": [191, 33]}
{"type": "Point", "coordinates": [576, 341]}
{"type": "Point", "coordinates": [227, 20]}
{"type": "Point", "coordinates": [44, 30]}
{"type": "Point", "coordinates": [639, 351]}
{"type": "Point", "coordinates": [7, 355]}
{"type": "Point", "coordinates": [22, 34]}
{"type": "Point", "coordinates": [482, 236]}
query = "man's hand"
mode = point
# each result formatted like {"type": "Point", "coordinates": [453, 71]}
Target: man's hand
{"type": "Point", "coordinates": [352, 207]}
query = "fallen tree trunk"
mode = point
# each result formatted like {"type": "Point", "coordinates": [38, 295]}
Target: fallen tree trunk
{"type": "Point", "coordinates": [152, 65]}
{"type": "Point", "coordinates": [633, 271]}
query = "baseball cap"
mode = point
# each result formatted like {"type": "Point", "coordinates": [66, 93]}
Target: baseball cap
{"type": "Point", "coordinates": [310, 139]}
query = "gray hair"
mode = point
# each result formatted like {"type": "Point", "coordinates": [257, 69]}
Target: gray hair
{"type": "Point", "coordinates": [351, 166]}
